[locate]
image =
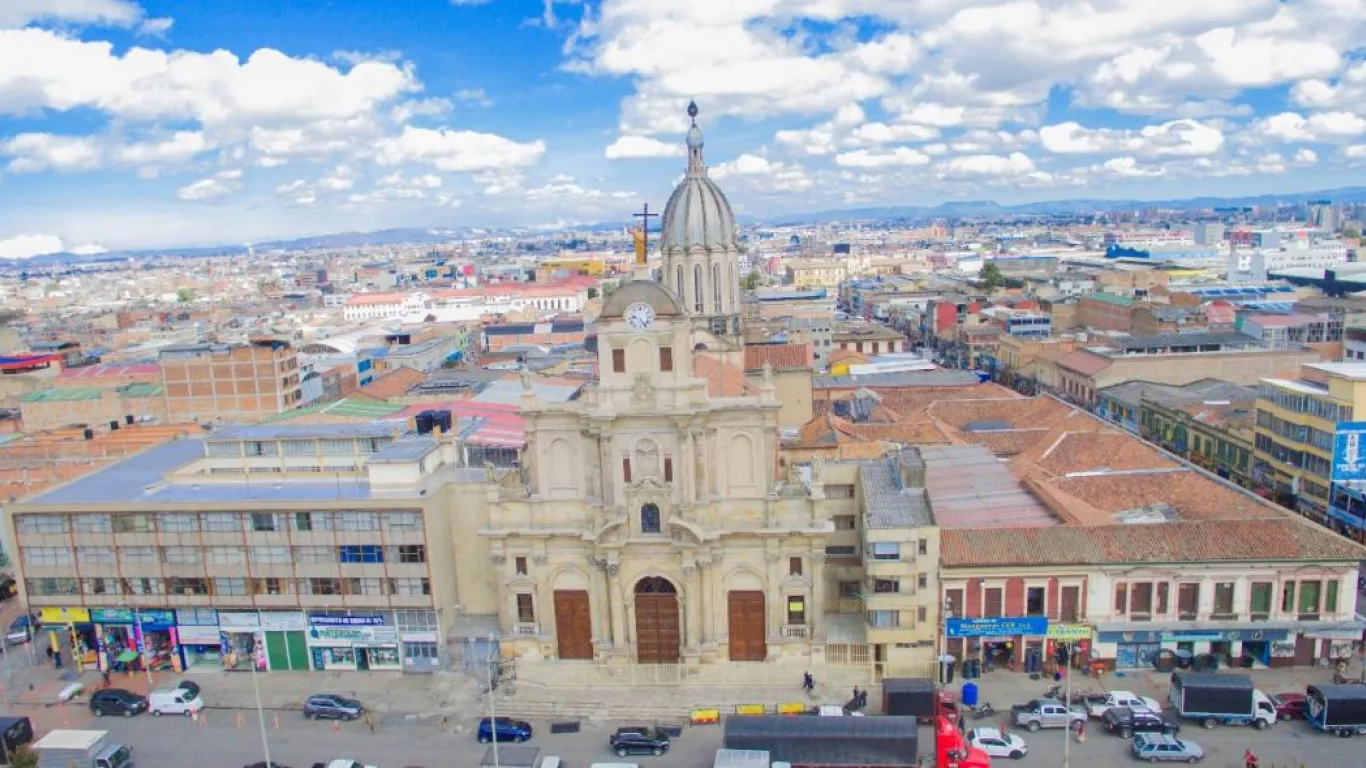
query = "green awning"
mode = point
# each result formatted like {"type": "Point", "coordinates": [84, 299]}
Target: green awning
{"type": "Point", "coordinates": [127, 656]}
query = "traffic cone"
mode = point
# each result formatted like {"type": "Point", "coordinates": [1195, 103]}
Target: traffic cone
{"type": "Point", "coordinates": [203, 718]}
{"type": "Point", "coordinates": [336, 725]}
{"type": "Point", "coordinates": [239, 720]}
{"type": "Point", "coordinates": [65, 719]}
{"type": "Point", "coordinates": [277, 721]}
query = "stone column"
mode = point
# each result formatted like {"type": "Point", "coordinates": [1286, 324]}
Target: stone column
{"type": "Point", "coordinates": [693, 598]}
{"type": "Point", "coordinates": [601, 604]}
{"type": "Point", "coordinates": [619, 639]}
{"type": "Point", "coordinates": [688, 469]}
{"type": "Point", "coordinates": [545, 599]}
{"type": "Point", "coordinates": [777, 604]}
{"type": "Point", "coordinates": [818, 596]}
{"type": "Point", "coordinates": [708, 601]}
{"type": "Point", "coordinates": [700, 462]}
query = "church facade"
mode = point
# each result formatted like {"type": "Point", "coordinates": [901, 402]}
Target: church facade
{"type": "Point", "coordinates": [655, 523]}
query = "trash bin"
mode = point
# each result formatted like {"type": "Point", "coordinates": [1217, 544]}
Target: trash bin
{"type": "Point", "coordinates": [972, 669]}
{"type": "Point", "coordinates": [969, 697]}
{"type": "Point", "coordinates": [946, 671]}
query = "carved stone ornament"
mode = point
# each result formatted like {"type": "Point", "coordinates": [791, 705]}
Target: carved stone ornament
{"type": "Point", "coordinates": [497, 558]}
{"type": "Point", "coordinates": [613, 569]}
{"type": "Point", "coordinates": [643, 392]}
{"type": "Point", "coordinates": [689, 570]}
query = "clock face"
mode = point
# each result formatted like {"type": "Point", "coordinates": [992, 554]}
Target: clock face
{"type": "Point", "coordinates": [640, 315]}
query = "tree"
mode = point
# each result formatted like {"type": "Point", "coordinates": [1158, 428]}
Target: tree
{"type": "Point", "coordinates": [990, 276]}
{"type": "Point", "coordinates": [24, 757]}
{"type": "Point", "coordinates": [592, 293]}
{"type": "Point", "coordinates": [184, 295]}
{"type": "Point", "coordinates": [751, 281]}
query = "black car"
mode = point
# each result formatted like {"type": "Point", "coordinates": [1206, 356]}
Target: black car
{"type": "Point", "coordinates": [638, 741]}
{"type": "Point", "coordinates": [190, 687]}
{"type": "Point", "coordinates": [1125, 722]}
{"type": "Point", "coordinates": [117, 701]}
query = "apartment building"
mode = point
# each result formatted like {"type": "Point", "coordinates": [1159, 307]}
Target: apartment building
{"type": "Point", "coordinates": [1296, 422]}
{"type": "Point", "coordinates": [227, 383]}
{"type": "Point", "coordinates": [812, 273]}
{"type": "Point", "coordinates": [382, 306]}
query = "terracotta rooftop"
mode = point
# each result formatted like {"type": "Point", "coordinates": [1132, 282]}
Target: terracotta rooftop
{"type": "Point", "coordinates": [1083, 362]}
{"type": "Point", "coordinates": [846, 356]}
{"type": "Point", "coordinates": [722, 380]}
{"type": "Point", "coordinates": [1282, 538]}
{"type": "Point", "coordinates": [395, 383]}
{"type": "Point", "coordinates": [780, 356]}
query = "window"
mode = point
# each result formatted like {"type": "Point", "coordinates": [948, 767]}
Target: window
{"type": "Point", "coordinates": [53, 586]}
{"type": "Point", "coordinates": [409, 553]}
{"type": "Point", "coordinates": [300, 447]}
{"type": "Point", "coordinates": [1034, 601]}
{"type": "Point", "coordinates": [231, 586]}
{"type": "Point", "coordinates": [271, 586]}
{"type": "Point", "coordinates": [841, 550]}
{"type": "Point", "coordinates": [138, 523]}
{"type": "Point", "coordinates": [649, 519]}
{"type": "Point", "coordinates": [849, 590]}
{"type": "Point", "coordinates": [324, 586]}
{"type": "Point", "coordinates": [178, 523]}
{"type": "Point", "coordinates": [278, 555]}
{"type": "Point", "coordinates": [626, 470]}
{"type": "Point", "coordinates": [618, 361]}
{"type": "Point", "coordinates": [886, 586]}
{"type": "Point", "coordinates": [143, 586]}
{"type": "Point", "coordinates": [794, 566]}
{"type": "Point", "coordinates": [361, 586]}
{"type": "Point", "coordinates": [796, 610]}
{"type": "Point", "coordinates": [180, 555]}
{"type": "Point", "coordinates": [137, 554]}
{"type": "Point", "coordinates": [844, 522]}
{"type": "Point", "coordinates": [220, 522]}
{"type": "Point", "coordinates": [1162, 590]}
{"type": "Point", "coordinates": [954, 598]}
{"type": "Point", "coordinates": [993, 605]}
{"type": "Point", "coordinates": [1187, 600]}
{"type": "Point", "coordinates": [337, 447]}
{"type": "Point", "coordinates": [519, 565]}
{"type": "Point", "coordinates": [416, 621]}
{"type": "Point", "coordinates": [1223, 598]}
{"type": "Point", "coordinates": [95, 555]}
{"type": "Point", "coordinates": [1259, 600]}
{"type": "Point", "coordinates": [886, 550]}
{"type": "Point", "coordinates": [315, 554]}
{"type": "Point", "coordinates": [839, 492]}
{"type": "Point", "coordinates": [922, 580]}
{"type": "Point", "coordinates": [1071, 603]}
{"type": "Point", "coordinates": [262, 522]}
{"type": "Point", "coordinates": [44, 524]}
{"type": "Point", "coordinates": [357, 521]}
{"type": "Point", "coordinates": [223, 555]}
{"type": "Point", "coordinates": [666, 359]}
{"type": "Point", "coordinates": [668, 469]}
{"type": "Point", "coordinates": [923, 547]}
{"type": "Point", "coordinates": [1288, 597]}
{"type": "Point", "coordinates": [93, 524]}
{"type": "Point", "coordinates": [177, 585]}
{"type": "Point", "coordinates": [1141, 600]}
{"type": "Point", "coordinates": [260, 448]}
{"type": "Point", "coordinates": [410, 587]}
{"type": "Point", "coordinates": [424, 651]}
{"type": "Point", "coordinates": [223, 449]}
{"type": "Point", "coordinates": [884, 618]}
{"type": "Point", "coordinates": [47, 555]}
{"type": "Point", "coordinates": [1121, 599]}
{"type": "Point", "coordinates": [1309, 599]}
{"type": "Point", "coordinates": [360, 553]}
{"type": "Point", "coordinates": [100, 586]}
{"type": "Point", "coordinates": [920, 613]}
{"type": "Point", "coordinates": [526, 609]}
{"type": "Point", "coordinates": [401, 521]}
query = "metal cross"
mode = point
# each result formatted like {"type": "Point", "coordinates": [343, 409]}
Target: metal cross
{"type": "Point", "coordinates": [645, 217]}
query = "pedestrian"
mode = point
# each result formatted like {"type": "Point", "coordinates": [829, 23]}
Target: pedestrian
{"type": "Point", "coordinates": [1081, 731]}
{"type": "Point", "coordinates": [857, 701]}
{"type": "Point", "coordinates": [808, 682]}
{"type": "Point", "coordinates": [1249, 759]}
{"type": "Point", "coordinates": [104, 673]}
{"type": "Point", "coordinates": [56, 659]}
{"type": "Point", "coordinates": [49, 653]}
{"type": "Point", "coordinates": [863, 699]}
{"type": "Point", "coordinates": [370, 720]}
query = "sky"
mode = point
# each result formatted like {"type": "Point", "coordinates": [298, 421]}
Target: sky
{"type": "Point", "coordinates": [158, 123]}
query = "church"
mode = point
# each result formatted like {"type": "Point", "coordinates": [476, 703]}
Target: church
{"type": "Point", "coordinates": [655, 523]}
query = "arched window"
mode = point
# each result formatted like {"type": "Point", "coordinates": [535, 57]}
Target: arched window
{"type": "Point", "coordinates": [716, 288]}
{"type": "Point", "coordinates": [649, 519]}
{"type": "Point", "coordinates": [699, 295]}
{"type": "Point", "coordinates": [734, 286]}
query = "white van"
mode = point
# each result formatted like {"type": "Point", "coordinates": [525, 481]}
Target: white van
{"type": "Point", "coordinates": [550, 761]}
{"type": "Point", "coordinates": [174, 701]}
{"type": "Point", "coordinates": [615, 765]}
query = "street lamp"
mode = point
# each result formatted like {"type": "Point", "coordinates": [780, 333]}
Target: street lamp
{"type": "Point", "coordinates": [1066, 655]}
{"type": "Point", "coordinates": [260, 711]}
{"type": "Point", "coordinates": [493, 719]}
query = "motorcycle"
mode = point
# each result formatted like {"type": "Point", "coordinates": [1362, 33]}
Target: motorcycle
{"type": "Point", "coordinates": [982, 711]}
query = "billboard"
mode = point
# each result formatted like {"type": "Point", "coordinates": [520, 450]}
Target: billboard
{"type": "Point", "coordinates": [1003, 626]}
{"type": "Point", "coordinates": [1349, 451]}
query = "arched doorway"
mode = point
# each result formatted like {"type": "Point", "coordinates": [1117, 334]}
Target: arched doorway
{"type": "Point", "coordinates": [657, 630]}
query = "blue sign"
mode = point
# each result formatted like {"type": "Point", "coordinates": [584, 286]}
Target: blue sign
{"type": "Point", "coordinates": [1004, 626]}
{"type": "Point", "coordinates": [1338, 513]}
{"type": "Point", "coordinates": [346, 621]}
{"type": "Point", "coordinates": [1349, 451]}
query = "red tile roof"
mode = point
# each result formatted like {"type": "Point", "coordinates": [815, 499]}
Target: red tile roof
{"type": "Point", "coordinates": [780, 356]}
{"type": "Point", "coordinates": [722, 380]}
{"type": "Point", "coordinates": [1083, 362]}
{"type": "Point", "coordinates": [395, 383]}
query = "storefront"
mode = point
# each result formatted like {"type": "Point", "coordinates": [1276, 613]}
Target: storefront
{"type": "Point", "coordinates": [1074, 639]}
{"type": "Point", "coordinates": [70, 630]}
{"type": "Point", "coordinates": [157, 641]}
{"type": "Point", "coordinates": [419, 632]}
{"type": "Point", "coordinates": [1237, 647]}
{"type": "Point", "coordinates": [201, 644]}
{"type": "Point", "coordinates": [353, 643]}
{"type": "Point", "coordinates": [286, 638]}
{"type": "Point", "coordinates": [1007, 642]}
{"type": "Point", "coordinates": [116, 643]}
{"type": "Point", "coordinates": [242, 641]}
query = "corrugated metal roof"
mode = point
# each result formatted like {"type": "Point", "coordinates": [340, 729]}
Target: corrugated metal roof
{"type": "Point", "coordinates": [968, 487]}
{"type": "Point", "coordinates": [63, 394]}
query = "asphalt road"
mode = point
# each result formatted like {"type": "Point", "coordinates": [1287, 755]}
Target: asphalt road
{"type": "Point", "coordinates": [228, 740]}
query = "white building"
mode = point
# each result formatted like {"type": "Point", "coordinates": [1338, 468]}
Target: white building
{"type": "Point", "coordinates": [382, 306]}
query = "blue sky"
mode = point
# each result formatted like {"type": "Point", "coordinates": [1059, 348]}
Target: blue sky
{"type": "Point", "coordinates": [127, 123]}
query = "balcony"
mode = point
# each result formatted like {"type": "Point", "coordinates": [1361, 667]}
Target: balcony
{"type": "Point", "coordinates": [794, 631]}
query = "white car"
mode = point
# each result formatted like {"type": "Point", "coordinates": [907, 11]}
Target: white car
{"type": "Point", "coordinates": [1122, 699]}
{"type": "Point", "coordinates": [997, 744]}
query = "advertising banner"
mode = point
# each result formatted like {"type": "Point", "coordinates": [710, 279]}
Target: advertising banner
{"type": "Point", "coordinates": [1007, 626]}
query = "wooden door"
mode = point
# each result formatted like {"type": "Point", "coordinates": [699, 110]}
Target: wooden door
{"type": "Point", "coordinates": [657, 635]}
{"type": "Point", "coordinates": [747, 635]}
{"type": "Point", "coordinates": [573, 624]}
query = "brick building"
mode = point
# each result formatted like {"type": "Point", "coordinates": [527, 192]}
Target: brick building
{"type": "Point", "coordinates": [219, 382]}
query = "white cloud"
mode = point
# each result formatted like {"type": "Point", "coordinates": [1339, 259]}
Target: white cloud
{"type": "Point", "coordinates": [1305, 156]}
{"type": "Point", "coordinates": [1129, 167]}
{"type": "Point", "coordinates": [458, 151]}
{"type": "Point", "coordinates": [642, 146]}
{"type": "Point", "coordinates": [29, 245]}
{"type": "Point", "coordinates": [220, 185]}
{"type": "Point", "coordinates": [1015, 164]}
{"type": "Point", "coordinates": [1320, 127]}
{"type": "Point", "coordinates": [157, 27]}
{"type": "Point", "coordinates": [763, 175]}
{"type": "Point", "coordinates": [877, 158]}
{"type": "Point", "coordinates": [881, 133]}
{"type": "Point", "coordinates": [407, 110]}
{"type": "Point", "coordinates": [33, 152]}
{"type": "Point", "coordinates": [1176, 138]}
{"type": "Point", "coordinates": [117, 13]}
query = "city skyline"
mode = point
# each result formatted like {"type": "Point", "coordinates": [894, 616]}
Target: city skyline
{"type": "Point", "coordinates": [130, 125]}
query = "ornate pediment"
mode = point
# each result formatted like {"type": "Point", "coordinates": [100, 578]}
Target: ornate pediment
{"type": "Point", "coordinates": [648, 484]}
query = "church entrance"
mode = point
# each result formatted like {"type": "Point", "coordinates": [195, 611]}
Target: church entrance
{"type": "Point", "coordinates": [747, 641]}
{"type": "Point", "coordinates": [657, 635]}
{"type": "Point", "coordinates": [573, 624]}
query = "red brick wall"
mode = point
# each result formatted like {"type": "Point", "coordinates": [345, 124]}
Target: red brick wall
{"type": "Point", "coordinates": [1015, 597]}
{"type": "Point", "coordinates": [1053, 599]}
{"type": "Point", "coordinates": [973, 609]}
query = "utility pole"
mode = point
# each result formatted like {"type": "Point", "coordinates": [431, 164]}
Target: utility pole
{"type": "Point", "coordinates": [493, 719]}
{"type": "Point", "coordinates": [1067, 704]}
{"type": "Point", "coordinates": [260, 712]}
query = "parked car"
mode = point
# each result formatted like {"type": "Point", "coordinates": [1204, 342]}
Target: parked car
{"type": "Point", "coordinates": [116, 701]}
{"type": "Point", "coordinates": [504, 729]}
{"type": "Point", "coordinates": [1125, 722]}
{"type": "Point", "coordinates": [329, 706]}
{"type": "Point", "coordinates": [1046, 713]}
{"type": "Point", "coordinates": [174, 701]}
{"type": "Point", "coordinates": [21, 630]}
{"type": "Point", "coordinates": [638, 741]}
{"type": "Point", "coordinates": [341, 763]}
{"type": "Point", "coordinates": [1121, 699]}
{"type": "Point", "coordinates": [997, 744]}
{"type": "Point", "coordinates": [1289, 705]}
{"type": "Point", "coordinates": [1159, 748]}
{"type": "Point", "coordinates": [8, 588]}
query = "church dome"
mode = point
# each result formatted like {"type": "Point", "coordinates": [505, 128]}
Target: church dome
{"type": "Point", "coordinates": [698, 215]}
{"type": "Point", "coordinates": [640, 291]}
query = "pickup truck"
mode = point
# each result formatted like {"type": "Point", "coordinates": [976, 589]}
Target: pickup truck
{"type": "Point", "coordinates": [1114, 699]}
{"type": "Point", "coordinates": [1046, 713]}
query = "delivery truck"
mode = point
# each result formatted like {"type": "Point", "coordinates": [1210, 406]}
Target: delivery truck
{"type": "Point", "coordinates": [1336, 709]}
{"type": "Point", "coordinates": [818, 742]}
{"type": "Point", "coordinates": [81, 749]}
{"type": "Point", "coordinates": [917, 697]}
{"type": "Point", "coordinates": [1214, 699]}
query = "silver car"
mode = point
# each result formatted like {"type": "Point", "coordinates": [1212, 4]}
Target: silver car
{"type": "Point", "coordinates": [1162, 748]}
{"type": "Point", "coordinates": [1046, 713]}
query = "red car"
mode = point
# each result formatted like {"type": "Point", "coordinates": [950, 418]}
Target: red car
{"type": "Point", "coordinates": [1289, 706]}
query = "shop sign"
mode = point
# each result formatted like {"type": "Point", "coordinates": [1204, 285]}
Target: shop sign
{"type": "Point", "coordinates": [155, 617]}
{"type": "Point", "coordinates": [1225, 635]}
{"type": "Point", "coordinates": [1033, 626]}
{"type": "Point", "coordinates": [111, 615]}
{"type": "Point", "coordinates": [64, 616]}
{"type": "Point", "coordinates": [1072, 632]}
{"type": "Point", "coordinates": [198, 635]}
{"type": "Point", "coordinates": [1282, 650]}
{"type": "Point", "coordinates": [419, 637]}
{"type": "Point", "coordinates": [1335, 634]}
{"type": "Point", "coordinates": [196, 617]}
{"type": "Point", "coordinates": [248, 622]}
{"type": "Point", "coordinates": [346, 621]}
{"type": "Point", "coordinates": [283, 621]}
{"type": "Point", "coordinates": [352, 635]}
